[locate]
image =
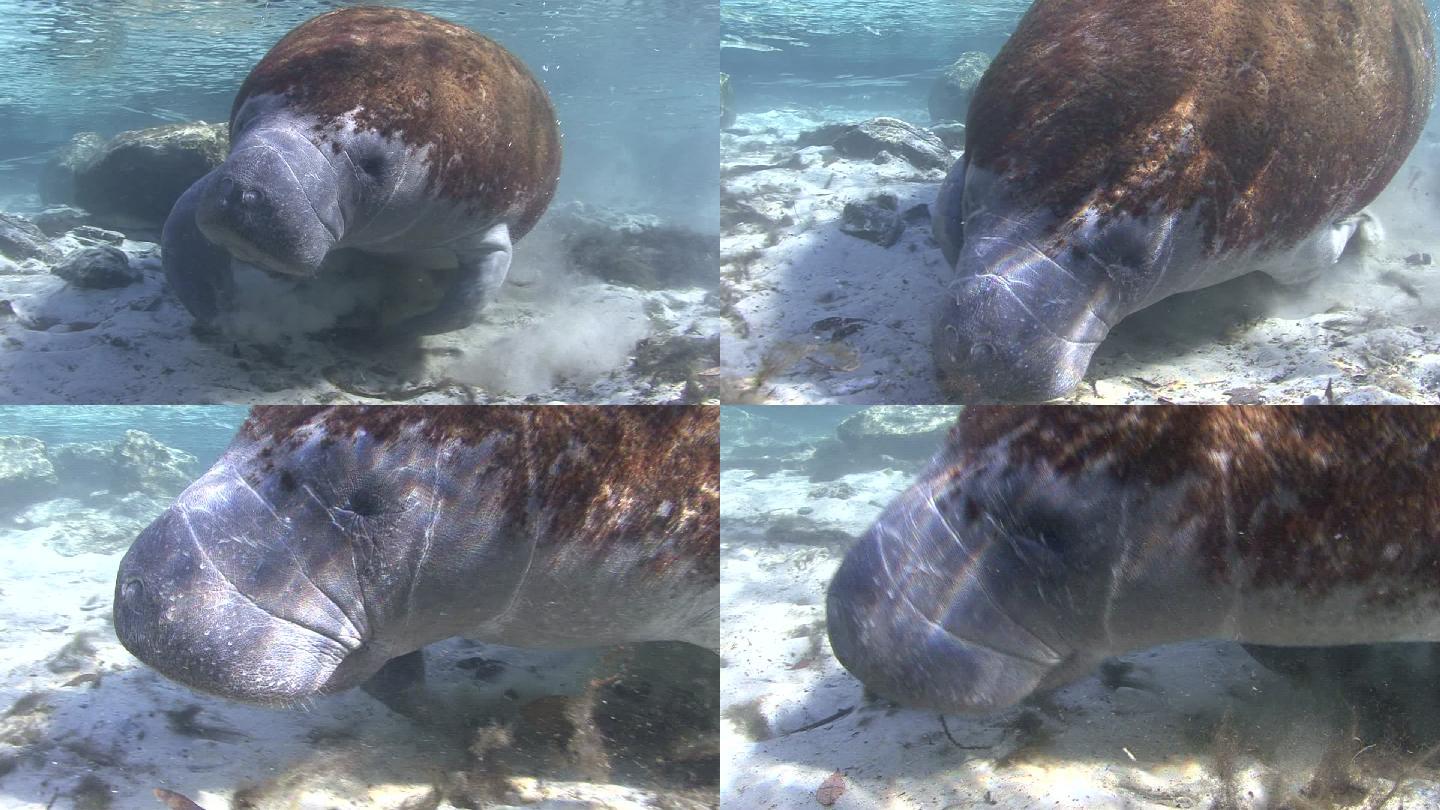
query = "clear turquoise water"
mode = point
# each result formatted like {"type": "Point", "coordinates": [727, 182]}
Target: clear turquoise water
{"type": "Point", "coordinates": [203, 431]}
{"type": "Point", "coordinates": [633, 81]}
{"type": "Point", "coordinates": [786, 424]}
{"type": "Point", "coordinates": [874, 56]}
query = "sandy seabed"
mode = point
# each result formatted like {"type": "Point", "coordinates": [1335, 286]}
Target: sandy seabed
{"type": "Point", "coordinates": [816, 315]}
{"type": "Point", "coordinates": [555, 333]}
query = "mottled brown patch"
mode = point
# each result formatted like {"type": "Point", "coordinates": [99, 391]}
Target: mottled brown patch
{"type": "Point", "coordinates": [1297, 113]}
{"type": "Point", "coordinates": [1319, 496]}
{"type": "Point", "coordinates": [426, 81]}
{"type": "Point", "coordinates": [635, 459]}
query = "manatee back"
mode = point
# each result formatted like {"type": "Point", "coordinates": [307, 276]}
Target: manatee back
{"type": "Point", "coordinates": [405, 74]}
{"type": "Point", "coordinates": [1239, 107]}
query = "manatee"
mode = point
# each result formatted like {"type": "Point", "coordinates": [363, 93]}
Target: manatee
{"type": "Point", "coordinates": [1043, 539]}
{"type": "Point", "coordinates": [378, 131]}
{"type": "Point", "coordinates": [1119, 153]}
{"type": "Point", "coordinates": [327, 546]}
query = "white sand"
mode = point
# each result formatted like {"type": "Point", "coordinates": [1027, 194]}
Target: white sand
{"type": "Point", "coordinates": [1150, 743]}
{"type": "Point", "coordinates": [1353, 330]}
{"type": "Point", "coordinates": [551, 335]}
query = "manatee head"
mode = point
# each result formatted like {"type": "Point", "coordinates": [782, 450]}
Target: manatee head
{"type": "Point", "coordinates": [274, 203]}
{"type": "Point", "coordinates": [973, 590]}
{"type": "Point", "coordinates": [1036, 292]}
{"type": "Point", "coordinates": [315, 550]}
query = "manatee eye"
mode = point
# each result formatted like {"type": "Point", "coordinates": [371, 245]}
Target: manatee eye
{"type": "Point", "coordinates": [132, 590]}
{"type": "Point", "coordinates": [373, 165]}
{"type": "Point", "coordinates": [364, 503]}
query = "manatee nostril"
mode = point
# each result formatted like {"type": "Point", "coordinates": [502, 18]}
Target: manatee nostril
{"type": "Point", "coordinates": [982, 353]}
{"type": "Point", "coordinates": [250, 197]}
{"type": "Point", "coordinates": [363, 503]}
{"type": "Point", "coordinates": [131, 590]}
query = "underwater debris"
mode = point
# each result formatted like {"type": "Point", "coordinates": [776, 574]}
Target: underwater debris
{"type": "Point", "coordinates": [92, 793]}
{"type": "Point", "coordinates": [1225, 747]}
{"type": "Point", "coordinates": [650, 257]}
{"type": "Point", "coordinates": [750, 720]}
{"type": "Point", "coordinates": [1399, 282]}
{"type": "Point", "coordinates": [1031, 736]}
{"type": "Point", "coordinates": [182, 722]}
{"type": "Point", "coordinates": [29, 703]}
{"type": "Point", "coordinates": [676, 358]}
{"type": "Point", "coordinates": [74, 656]}
{"type": "Point", "coordinates": [1333, 781]}
{"type": "Point", "coordinates": [175, 801]}
{"type": "Point", "coordinates": [831, 789]}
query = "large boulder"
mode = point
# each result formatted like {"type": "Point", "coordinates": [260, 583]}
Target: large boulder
{"type": "Point", "coordinates": [902, 431]}
{"type": "Point", "coordinates": [57, 176]}
{"type": "Point", "coordinates": [135, 179]}
{"type": "Point", "coordinates": [875, 220]}
{"type": "Point", "coordinates": [921, 148]}
{"type": "Point", "coordinates": [143, 464]}
{"type": "Point", "coordinates": [98, 268]}
{"type": "Point", "coordinates": [26, 474]}
{"type": "Point", "coordinates": [84, 466]}
{"type": "Point", "coordinates": [951, 92]}
{"type": "Point", "coordinates": [20, 239]}
{"type": "Point", "coordinates": [650, 257]}
{"type": "Point", "coordinates": [882, 437]}
{"type": "Point", "coordinates": [60, 220]}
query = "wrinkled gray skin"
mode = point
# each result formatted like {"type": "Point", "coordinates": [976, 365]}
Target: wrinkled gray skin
{"type": "Point", "coordinates": [1021, 325]}
{"type": "Point", "coordinates": [1052, 576]}
{"type": "Point", "coordinates": [349, 555]}
{"type": "Point", "coordinates": [284, 203]}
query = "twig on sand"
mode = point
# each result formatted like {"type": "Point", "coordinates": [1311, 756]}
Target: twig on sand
{"type": "Point", "coordinates": [956, 742]}
{"type": "Point", "coordinates": [818, 723]}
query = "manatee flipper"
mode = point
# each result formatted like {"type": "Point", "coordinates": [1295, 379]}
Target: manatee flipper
{"type": "Point", "coordinates": [400, 684]}
{"type": "Point", "coordinates": [197, 271]}
{"type": "Point", "coordinates": [484, 263]}
{"type": "Point", "coordinates": [947, 219]}
{"type": "Point", "coordinates": [1326, 247]}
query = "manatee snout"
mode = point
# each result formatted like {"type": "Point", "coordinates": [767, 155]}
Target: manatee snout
{"type": "Point", "coordinates": [257, 206]}
{"type": "Point", "coordinates": [924, 611]}
{"type": "Point", "coordinates": [1014, 334]}
{"type": "Point", "coordinates": [210, 597]}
